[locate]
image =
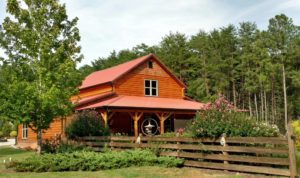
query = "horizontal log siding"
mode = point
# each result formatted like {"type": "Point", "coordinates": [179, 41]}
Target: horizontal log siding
{"type": "Point", "coordinates": [133, 83]}
{"type": "Point", "coordinates": [54, 129]}
{"type": "Point", "coordinates": [92, 91]}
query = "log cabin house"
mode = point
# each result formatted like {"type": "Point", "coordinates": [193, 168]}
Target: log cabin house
{"type": "Point", "coordinates": [139, 96]}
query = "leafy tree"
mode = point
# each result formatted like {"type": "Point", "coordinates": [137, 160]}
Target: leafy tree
{"type": "Point", "coordinates": [42, 51]}
{"type": "Point", "coordinates": [282, 33]}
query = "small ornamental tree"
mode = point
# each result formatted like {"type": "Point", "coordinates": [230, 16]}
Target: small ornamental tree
{"type": "Point", "coordinates": [86, 123]}
{"type": "Point", "coordinates": [42, 51]}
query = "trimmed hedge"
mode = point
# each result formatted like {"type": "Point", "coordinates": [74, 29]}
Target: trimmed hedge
{"type": "Point", "coordinates": [91, 161]}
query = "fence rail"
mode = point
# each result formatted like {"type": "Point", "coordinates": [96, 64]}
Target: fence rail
{"type": "Point", "coordinates": [264, 155]}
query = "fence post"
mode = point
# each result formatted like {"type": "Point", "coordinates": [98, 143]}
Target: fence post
{"type": "Point", "coordinates": [292, 156]}
{"type": "Point", "coordinates": [178, 150]}
{"type": "Point", "coordinates": [224, 144]}
{"type": "Point", "coordinates": [111, 143]}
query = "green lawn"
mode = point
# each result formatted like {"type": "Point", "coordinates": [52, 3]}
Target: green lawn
{"type": "Point", "coordinates": [131, 172]}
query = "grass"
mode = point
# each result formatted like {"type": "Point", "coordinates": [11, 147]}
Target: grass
{"type": "Point", "coordinates": [15, 154]}
{"type": "Point", "coordinates": [145, 172]}
{"type": "Point", "coordinates": [131, 172]}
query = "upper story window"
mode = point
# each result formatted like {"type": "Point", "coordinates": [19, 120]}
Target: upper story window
{"type": "Point", "coordinates": [150, 64]}
{"type": "Point", "coordinates": [24, 131]}
{"type": "Point", "coordinates": [151, 88]}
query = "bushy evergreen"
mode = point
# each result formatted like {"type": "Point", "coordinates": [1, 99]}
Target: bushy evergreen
{"type": "Point", "coordinates": [92, 161]}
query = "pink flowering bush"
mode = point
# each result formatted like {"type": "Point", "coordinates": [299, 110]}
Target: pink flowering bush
{"type": "Point", "coordinates": [222, 117]}
{"type": "Point", "coordinates": [213, 123]}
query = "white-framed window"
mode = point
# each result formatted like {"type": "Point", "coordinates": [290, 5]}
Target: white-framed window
{"type": "Point", "coordinates": [151, 87]}
{"type": "Point", "coordinates": [24, 131]}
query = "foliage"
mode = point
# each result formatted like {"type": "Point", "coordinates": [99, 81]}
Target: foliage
{"type": "Point", "coordinates": [221, 117]}
{"type": "Point", "coordinates": [86, 123]}
{"type": "Point", "coordinates": [57, 145]}
{"type": "Point", "coordinates": [181, 132]}
{"type": "Point", "coordinates": [213, 123]}
{"type": "Point", "coordinates": [61, 147]}
{"type": "Point", "coordinates": [41, 45]}
{"type": "Point", "coordinates": [13, 133]}
{"type": "Point", "coordinates": [6, 128]}
{"type": "Point", "coordinates": [296, 132]}
{"type": "Point", "coordinates": [1, 134]}
{"type": "Point", "coordinates": [91, 161]}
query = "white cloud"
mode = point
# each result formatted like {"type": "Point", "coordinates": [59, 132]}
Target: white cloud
{"type": "Point", "coordinates": [119, 24]}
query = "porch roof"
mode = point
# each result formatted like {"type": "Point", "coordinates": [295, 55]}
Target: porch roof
{"type": "Point", "coordinates": [146, 103]}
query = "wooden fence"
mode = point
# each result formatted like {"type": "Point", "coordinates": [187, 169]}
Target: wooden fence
{"type": "Point", "coordinates": [264, 155]}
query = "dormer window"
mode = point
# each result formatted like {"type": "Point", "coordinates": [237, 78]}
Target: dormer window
{"type": "Point", "coordinates": [150, 64]}
{"type": "Point", "coordinates": [151, 88]}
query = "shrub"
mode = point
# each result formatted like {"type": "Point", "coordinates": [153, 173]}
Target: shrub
{"type": "Point", "coordinates": [56, 145]}
{"type": "Point", "coordinates": [86, 123]}
{"type": "Point", "coordinates": [178, 133]}
{"type": "Point", "coordinates": [13, 133]}
{"type": "Point", "coordinates": [1, 134]}
{"type": "Point", "coordinates": [91, 161]}
{"type": "Point", "coordinates": [296, 132]}
{"type": "Point", "coordinates": [213, 123]}
{"type": "Point", "coordinates": [66, 147]}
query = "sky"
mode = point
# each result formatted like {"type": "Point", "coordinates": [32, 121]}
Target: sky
{"type": "Point", "coordinates": [107, 25]}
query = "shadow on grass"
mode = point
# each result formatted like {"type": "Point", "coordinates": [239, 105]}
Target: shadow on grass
{"type": "Point", "coordinates": [4, 151]}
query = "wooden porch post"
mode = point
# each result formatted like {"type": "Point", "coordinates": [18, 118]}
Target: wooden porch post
{"type": "Point", "coordinates": [162, 117]}
{"type": "Point", "coordinates": [136, 117]}
{"type": "Point", "coordinates": [104, 117]}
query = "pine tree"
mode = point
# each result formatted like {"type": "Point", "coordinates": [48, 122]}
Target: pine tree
{"type": "Point", "coordinates": [282, 31]}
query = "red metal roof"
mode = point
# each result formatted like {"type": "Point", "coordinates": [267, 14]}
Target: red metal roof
{"type": "Point", "coordinates": [113, 73]}
{"type": "Point", "coordinates": [146, 102]}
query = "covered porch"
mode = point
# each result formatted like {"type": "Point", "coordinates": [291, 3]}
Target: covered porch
{"type": "Point", "coordinates": [140, 121]}
{"type": "Point", "coordinates": [133, 115]}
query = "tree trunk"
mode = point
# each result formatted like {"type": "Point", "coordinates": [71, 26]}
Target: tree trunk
{"type": "Point", "coordinates": [261, 105]}
{"type": "Point", "coordinates": [16, 138]}
{"type": "Point", "coordinates": [285, 98]}
{"type": "Point", "coordinates": [256, 108]}
{"type": "Point", "coordinates": [275, 109]}
{"type": "Point", "coordinates": [272, 102]}
{"type": "Point", "coordinates": [206, 80]}
{"type": "Point", "coordinates": [250, 108]}
{"type": "Point", "coordinates": [39, 141]}
{"type": "Point", "coordinates": [266, 107]}
{"type": "Point", "coordinates": [234, 92]}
